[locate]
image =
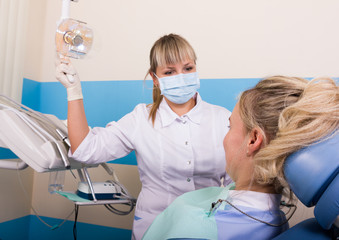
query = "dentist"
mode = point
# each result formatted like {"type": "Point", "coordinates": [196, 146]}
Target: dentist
{"type": "Point", "coordinates": [177, 139]}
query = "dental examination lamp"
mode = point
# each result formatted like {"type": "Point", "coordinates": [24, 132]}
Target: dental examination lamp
{"type": "Point", "coordinates": [73, 38]}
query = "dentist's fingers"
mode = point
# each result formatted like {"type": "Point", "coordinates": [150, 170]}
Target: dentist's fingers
{"type": "Point", "coordinates": [61, 59]}
{"type": "Point", "coordinates": [67, 68]}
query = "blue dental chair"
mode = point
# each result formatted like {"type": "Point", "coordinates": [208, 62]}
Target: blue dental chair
{"type": "Point", "coordinates": [313, 177]}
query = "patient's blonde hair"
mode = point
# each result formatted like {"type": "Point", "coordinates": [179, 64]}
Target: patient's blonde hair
{"type": "Point", "coordinates": [169, 49]}
{"type": "Point", "coordinates": [292, 113]}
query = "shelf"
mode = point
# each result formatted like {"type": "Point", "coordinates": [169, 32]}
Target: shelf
{"type": "Point", "coordinates": [72, 196]}
{"type": "Point", "coordinates": [101, 202]}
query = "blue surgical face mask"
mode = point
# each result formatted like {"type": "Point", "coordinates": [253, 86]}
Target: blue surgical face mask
{"type": "Point", "coordinates": [179, 88]}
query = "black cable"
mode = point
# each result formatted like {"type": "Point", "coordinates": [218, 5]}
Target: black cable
{"type": "Point", "coordinates": [76, 211]}
{"type": "Point", "coordinates": [124, 192]}
{"type": "Point", "coordinates": [120, 212]}
{"type": "Point", "coordinates": [256, 219]}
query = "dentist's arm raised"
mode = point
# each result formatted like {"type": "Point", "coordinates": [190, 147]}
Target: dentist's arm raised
{"type": "Point", "coordinates": [76, 118]}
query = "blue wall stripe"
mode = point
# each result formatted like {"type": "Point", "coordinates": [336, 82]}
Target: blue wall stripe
{"type": "Point", "coordinates": [224, 92]}
{"type": "Point", "coordinates": [31, 94]}
{"type": "Point", "coordinates": [5, 153]}
{"type": "Point", "coordinates": [107, 101]}
{"type": "Point", "coordinates": [31, 228]}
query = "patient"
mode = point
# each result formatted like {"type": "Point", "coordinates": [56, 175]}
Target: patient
{"type": "Point", "coordinates": [277, 117]}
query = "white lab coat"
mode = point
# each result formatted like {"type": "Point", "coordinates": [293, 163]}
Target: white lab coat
{"type": "Point", "coordinates": [177, 155]}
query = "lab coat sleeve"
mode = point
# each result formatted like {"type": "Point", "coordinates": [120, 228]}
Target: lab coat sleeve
{"type": "Point", "coordinates": [109, 143]}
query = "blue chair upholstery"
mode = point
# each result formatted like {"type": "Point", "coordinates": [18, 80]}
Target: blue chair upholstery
{"type": "Point", "coordinates": [312, 174]}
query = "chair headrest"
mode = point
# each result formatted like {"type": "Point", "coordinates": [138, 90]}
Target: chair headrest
{"type": "Point", "coordinates": [312, 174]}
{"type": "Point", "coordinates": [310, 170]}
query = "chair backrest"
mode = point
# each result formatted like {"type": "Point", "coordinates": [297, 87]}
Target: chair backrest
{"type": "Point", "coordinates": [312, 174]}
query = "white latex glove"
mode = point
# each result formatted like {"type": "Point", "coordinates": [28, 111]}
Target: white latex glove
{"type": "Point", "coordinates": [68, 76]}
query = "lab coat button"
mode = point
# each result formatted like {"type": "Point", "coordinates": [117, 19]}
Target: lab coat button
{"type": "Point", "coordinates": [188, 179]}
{"type": "Point", "coordinates": [186, 143]}
{"type": "Point", "coordinates": [188, 162]}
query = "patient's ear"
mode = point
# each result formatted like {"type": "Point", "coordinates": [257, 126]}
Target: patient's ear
{"type": "Point", "coordinates": [255, 141]}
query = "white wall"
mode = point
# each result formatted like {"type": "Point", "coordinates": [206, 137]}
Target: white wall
{"type": "Point", "coordinates": [243, 38]}
{"type": "Point", "coordinates": [35, 35]}
{"type": "Point", "coordinates": [16, 193]}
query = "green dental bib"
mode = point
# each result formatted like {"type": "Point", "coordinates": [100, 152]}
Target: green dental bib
{"type": "Point", "coordinates": [188, 216]}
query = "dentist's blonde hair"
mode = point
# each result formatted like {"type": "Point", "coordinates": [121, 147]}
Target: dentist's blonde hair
{"type": "Point", "coordinates": [169, 49]}
{"type": "Point", "coordinates": [292, 113]}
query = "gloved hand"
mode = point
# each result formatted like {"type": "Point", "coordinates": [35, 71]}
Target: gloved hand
{"type": "Point", "coordinates": [68, 76]}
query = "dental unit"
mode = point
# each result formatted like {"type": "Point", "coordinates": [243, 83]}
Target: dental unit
{"type": "Point", "coordinates": [40, 141]}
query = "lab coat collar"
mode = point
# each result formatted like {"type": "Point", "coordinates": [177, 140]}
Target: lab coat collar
{"type": "Point", "coordinates": [167, 116]}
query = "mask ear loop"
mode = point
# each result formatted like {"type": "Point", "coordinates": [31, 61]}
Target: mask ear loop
{"type": "Point", "coordinates": [155, 75]}
{"type": "Point", "coordinates": [146, 85]}
{"type": "Point", "coordinates": [156, 86]}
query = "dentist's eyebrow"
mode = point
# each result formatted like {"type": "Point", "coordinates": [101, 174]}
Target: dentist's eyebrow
{"type": "Point", "coordinates": [169, 67]}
